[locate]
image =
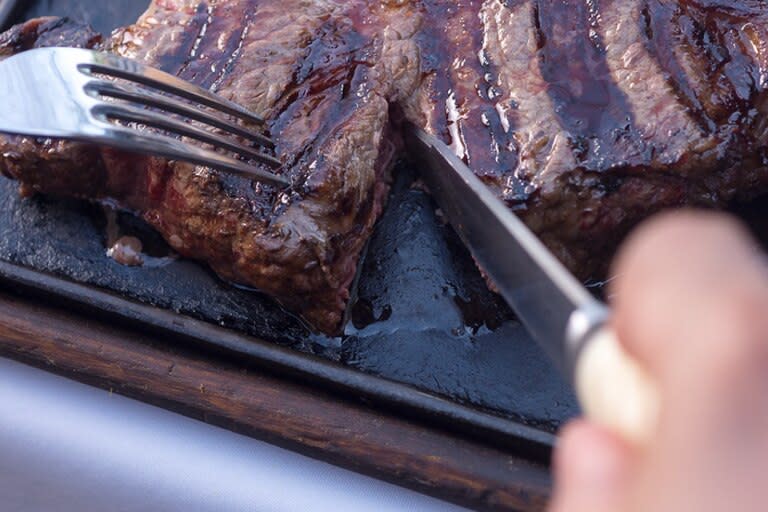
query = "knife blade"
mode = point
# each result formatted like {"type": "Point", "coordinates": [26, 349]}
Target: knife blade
{"type": "Point", "coordinates": [561, 315]}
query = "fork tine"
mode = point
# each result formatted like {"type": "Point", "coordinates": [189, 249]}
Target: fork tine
{"type": "Point", "coordinates": [150, 99]}
{"type": "Point", "coordinates": [174, 149]}
{"type": "Point", "coordinates": [143, 116]}
{"type": "Point", "coordinates": [126, 69]}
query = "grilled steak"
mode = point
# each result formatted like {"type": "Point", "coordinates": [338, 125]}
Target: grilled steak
{"type": "Point", "coordinates": [587, 116]}
{"type": "Point", "coordinates": [584, 116]}
{"type": "Point", "coordinates": [316, 76]}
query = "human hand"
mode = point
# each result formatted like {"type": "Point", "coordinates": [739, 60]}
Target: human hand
{"type": "Point", "coordinates": [691, 304]}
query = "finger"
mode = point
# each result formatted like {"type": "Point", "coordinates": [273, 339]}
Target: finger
{"type": "Point", "coordinates": [691, 295]}
{"type": "Point", "coordinates": [591, 470]}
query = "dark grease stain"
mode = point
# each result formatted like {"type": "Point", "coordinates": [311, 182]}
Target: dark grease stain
{"type": "Point", "coordinates": [363, 313]}
{"type": "Point", "coordinates": [424, 316]}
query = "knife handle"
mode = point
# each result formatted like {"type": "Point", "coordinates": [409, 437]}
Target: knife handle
{"type": "Point", "coordinates": [614, 390]}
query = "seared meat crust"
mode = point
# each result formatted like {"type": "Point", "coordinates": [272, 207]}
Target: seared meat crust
{"type": "Point", "coordinates": [308, 68]}
{"type": "Point", "coordinates": [587, 116]}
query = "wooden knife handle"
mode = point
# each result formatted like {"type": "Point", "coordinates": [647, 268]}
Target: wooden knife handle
{"type": "Point", "coordinates": [614, 390]}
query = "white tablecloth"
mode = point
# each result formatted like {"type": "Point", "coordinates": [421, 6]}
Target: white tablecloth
{"type": "Point", "coordinates": [66, 447]}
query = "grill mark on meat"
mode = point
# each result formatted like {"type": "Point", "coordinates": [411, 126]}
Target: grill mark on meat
{"type": "Point", "coordinates": [235, 50]}
{"type": "Point", "coordinates": [541, 143]}
{"type": "Point", "coordinates": [706, 56]}
{"type": "Point", "coordinates": [258, 53]}
{"type": "Point", "coordinates": [327, 46]}
{"type": "Point", "coordinates": [666, 131]}
{"type": "Point", "coordinates": [327, 75]}
{"type": "Point", "coordinates": [219, 44]}
{"type": "Point", "coordinates": [463, 40]}
{"type": "Point", "coordinates": [587, 101]}
{"type": "Point", "coordinates": [497, 120]}
{"type": "Point", "coordinates": [176, 62]}
{"type": "Point", "coordinates": [739, 32]}
{"type": "Point", "coordinates": [270, 39]}
{"type": "Point", "coordinates": [300, 68]}
{"type": "Point", "coordinates": [756, 46]}
{"type": "Point", "coordinates": [434, 66]}
{"type": "Point", "coordinates": [662, 40]}
{"type": "Point", "coordinates": [593, 19]}
{"type": "Point", "coordinates": [471, 114]}
{"type": "Point", "coordinates": [213, 59]}
{"type": "Point", "coordinates": [215, 46]}
{"type": "Point", "coordinates": [203, 30]}
{"type": "Point", "coordinates": [737, 8]}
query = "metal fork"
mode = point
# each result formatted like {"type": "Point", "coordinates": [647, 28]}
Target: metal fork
{"type": "Point", "coordinates": [99, 98]}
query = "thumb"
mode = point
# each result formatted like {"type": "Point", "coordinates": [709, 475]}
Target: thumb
{"type": "Point", "coordinates": [591, 467]}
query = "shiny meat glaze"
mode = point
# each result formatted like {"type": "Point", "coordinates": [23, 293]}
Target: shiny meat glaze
{"type": "Point", "coordinates": [584, 116]}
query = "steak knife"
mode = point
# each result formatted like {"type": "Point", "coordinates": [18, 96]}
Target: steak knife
{"type": "Point", "coordinates": [563, 317]}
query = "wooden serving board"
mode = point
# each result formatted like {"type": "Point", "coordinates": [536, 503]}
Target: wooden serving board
{"type": "Point", "coordinates": [310, 421]}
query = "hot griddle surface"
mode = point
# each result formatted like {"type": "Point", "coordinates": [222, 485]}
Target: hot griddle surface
{"type": "Point", "coordinates": [423, 315]}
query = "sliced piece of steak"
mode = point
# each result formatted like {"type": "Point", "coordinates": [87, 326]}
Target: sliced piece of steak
{"type": "Point", "coordinates": [587, 116]}
{"type": "Point", "coordinates": [584, 116]}
{"type": "Point", "coordinates": [323, 84]}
